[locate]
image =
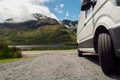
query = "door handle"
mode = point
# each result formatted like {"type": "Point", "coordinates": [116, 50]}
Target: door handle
{"type": "Point", "coordinates": [85, 24]}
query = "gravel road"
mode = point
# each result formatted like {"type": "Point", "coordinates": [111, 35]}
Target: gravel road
{"type": "Point", "coordinates": [54, 65]}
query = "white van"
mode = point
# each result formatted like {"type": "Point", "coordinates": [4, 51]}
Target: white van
{"type": "Point", "coordinates": [99, 31]}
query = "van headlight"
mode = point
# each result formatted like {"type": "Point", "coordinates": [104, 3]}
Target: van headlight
{"type": "Point", "coordinates": [116, 2]}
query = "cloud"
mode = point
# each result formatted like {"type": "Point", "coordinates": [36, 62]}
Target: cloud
{"type": "Point", "coordinates": [21, 8]}
{"type": "Point", "coordinates": [67, 14]}
{"type": "Point", "coordinates": [58, 8]}
{"type": "Point", "coordinates": [60, 11]}
{"type": "Point", "coordinates": [61, 5]}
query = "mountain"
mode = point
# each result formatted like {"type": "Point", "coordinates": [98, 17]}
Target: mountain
{"type": "Point", "coordinates": [41, 30]}
{"type": "Point", "coordinates": [70, 24]}
{"type": "Point", "coordinates": [36, 21]}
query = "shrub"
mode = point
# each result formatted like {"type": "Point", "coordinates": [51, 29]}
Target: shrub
{"type": "Point", "coordinates": [6, 52]}
{"type": "Point", "coordinates": [3, 46]}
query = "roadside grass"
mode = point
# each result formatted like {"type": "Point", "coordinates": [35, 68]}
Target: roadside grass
{"type": "Point", "coordinates": [9, 53]}
{"type": "Point", "coordinates": [16, 59]}
{"type": "Point", "coordinates": [10, 60]}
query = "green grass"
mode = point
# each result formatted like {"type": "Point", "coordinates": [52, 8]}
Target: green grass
{"type": "Point", "coordinates": [10, 60]}
{"type": "Point", "coordinates": [50, 34]}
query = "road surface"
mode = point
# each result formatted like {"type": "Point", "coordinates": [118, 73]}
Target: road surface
{"type": "Point", "coordinates": [54, 65]}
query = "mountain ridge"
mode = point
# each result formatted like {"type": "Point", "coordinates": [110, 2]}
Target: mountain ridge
{"type": "Point", "coordinates": [72, 25]}
{"type": "Point", "coordinates": [40, 20]}
{"type": "Point", "coordinates": [44, 30]}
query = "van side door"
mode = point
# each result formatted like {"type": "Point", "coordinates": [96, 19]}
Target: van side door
{"type": "Point", "coordinates": [87, 28]}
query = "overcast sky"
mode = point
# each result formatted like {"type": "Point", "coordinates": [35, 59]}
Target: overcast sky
{"type": "Point", "coordinates": [59, 9]}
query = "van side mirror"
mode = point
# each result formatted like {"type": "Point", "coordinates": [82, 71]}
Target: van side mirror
{"type": "Point", "coordinates": [86, 5]}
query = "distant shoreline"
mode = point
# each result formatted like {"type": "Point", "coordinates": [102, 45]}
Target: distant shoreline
{"type": "Point", "coordinates": [42, 46]}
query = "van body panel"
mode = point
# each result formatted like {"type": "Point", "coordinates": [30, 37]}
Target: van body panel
{"type": "Point", "coordinates": [86, 44]}
{"type": "Point", "coordinates": [83, 28]}
{"type": "Point", "coordinates": [104, 14]}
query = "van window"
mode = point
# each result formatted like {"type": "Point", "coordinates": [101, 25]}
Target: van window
{"type": "Point", "coordinates": [87, 12]}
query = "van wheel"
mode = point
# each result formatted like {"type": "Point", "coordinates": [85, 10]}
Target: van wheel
{"type": "Point", "coordinates": [80, 54]}
{"type": "Point", "coordinates": [106, 53]}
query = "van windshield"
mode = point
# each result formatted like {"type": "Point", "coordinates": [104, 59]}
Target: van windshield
{"type": "Point", "coordinates": [116, 2]}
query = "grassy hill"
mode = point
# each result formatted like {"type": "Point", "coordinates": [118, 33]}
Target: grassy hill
{"type": "Point", "coordinates": [43, 30]}
{"type": "Point", "coordinates": [49, 34]}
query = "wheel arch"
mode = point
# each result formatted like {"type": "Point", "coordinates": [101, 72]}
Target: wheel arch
{"type": "Point", "coordinates": [104, 24]}
{"type": "Point", "coordinates": [99, 29]}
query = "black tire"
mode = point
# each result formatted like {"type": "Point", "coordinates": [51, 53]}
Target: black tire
{"type": "Point", "coordinates": [80, 54]}
{"type": "Point", "coordinates": [106, 53]}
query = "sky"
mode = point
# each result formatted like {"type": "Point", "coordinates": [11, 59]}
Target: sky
{"type": "Point", "coordinates": [65, 9]}
{"type": "Point", "coordinates": [58, 9]}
